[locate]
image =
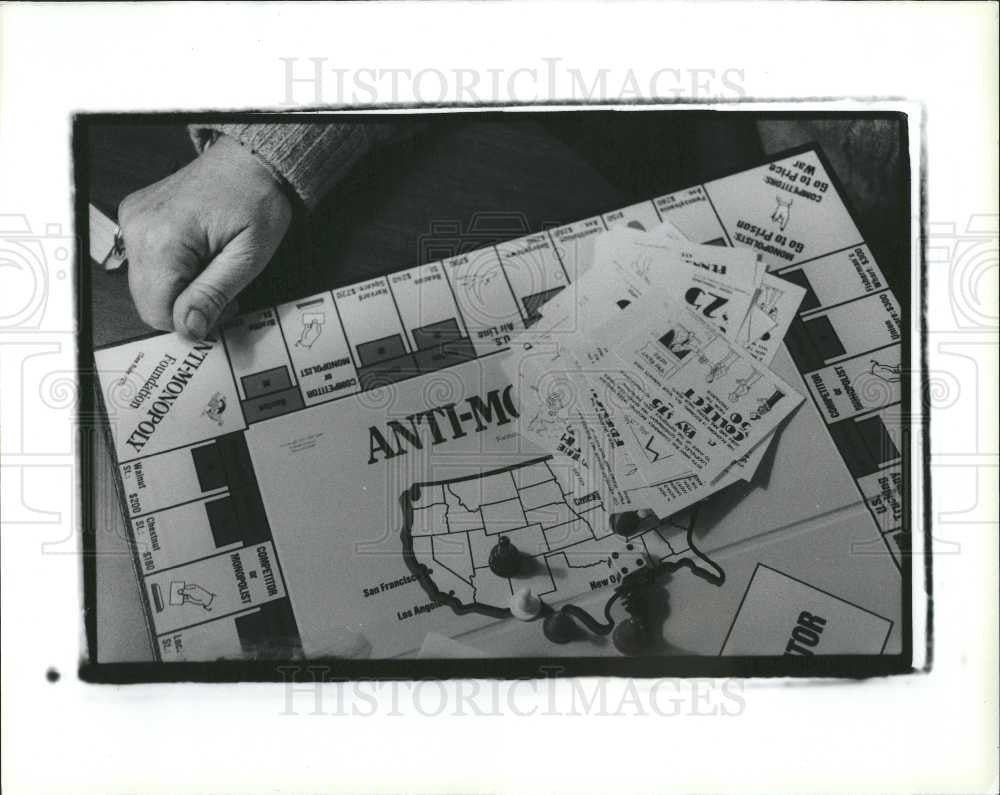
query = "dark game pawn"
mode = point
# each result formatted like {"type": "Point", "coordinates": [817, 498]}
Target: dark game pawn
{"type": "Point", "coordinates": [630, 636]}
{"type": "Point", "coordinates": [559, 627]}
{"type": "Point", "coordinates": [505, 559]}
{"type": "Point", "coordinates": [624, 524]}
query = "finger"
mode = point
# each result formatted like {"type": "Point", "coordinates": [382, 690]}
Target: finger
{"type": "Point", "coordinates": [156, 276]}
{"type": "Point", "coordinates": [202, 303]}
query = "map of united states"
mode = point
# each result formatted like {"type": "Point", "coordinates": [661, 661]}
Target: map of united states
{"type": "Point", "coordinates": [566, 543]}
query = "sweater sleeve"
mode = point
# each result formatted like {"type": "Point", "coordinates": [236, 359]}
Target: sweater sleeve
{"type": "Point", "coordinates": [308, 158]}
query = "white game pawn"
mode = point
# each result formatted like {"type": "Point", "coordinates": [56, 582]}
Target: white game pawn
{"type": "Point", "coordinates": [525, 605]}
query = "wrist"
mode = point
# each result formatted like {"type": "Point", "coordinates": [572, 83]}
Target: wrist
{"type": "Point", "coordinates": [233, 154]}
{"type": "Point", "coordinates": [310, 157]}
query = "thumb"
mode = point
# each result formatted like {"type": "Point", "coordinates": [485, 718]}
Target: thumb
{"type": "Point", "coordinates": [199, 307]}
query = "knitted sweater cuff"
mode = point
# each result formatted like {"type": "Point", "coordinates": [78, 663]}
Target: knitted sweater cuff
{"type": "Point", "coordinates": [309, 158]}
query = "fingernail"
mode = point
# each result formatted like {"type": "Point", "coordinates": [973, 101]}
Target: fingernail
{"type": "Point", "coordinates": [196, 323]}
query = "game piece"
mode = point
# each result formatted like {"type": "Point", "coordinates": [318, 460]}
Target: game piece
{"type": "Point", "coordinates": [525, 605]}
{"type": "Point", "coordinates": [559, 627]}
{"type": "Point", "coordinates": [630, 636]}
{"type": "Point", "coordinates": [505, 559]}
{"type": "Point", "coordinates": [625, 523]}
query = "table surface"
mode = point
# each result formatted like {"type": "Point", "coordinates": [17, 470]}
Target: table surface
{"type": "Point", "coordinates": [461, 184]}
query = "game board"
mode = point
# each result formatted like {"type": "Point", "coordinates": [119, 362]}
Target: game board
{"type": "Point", "coordinates": [340, 466]}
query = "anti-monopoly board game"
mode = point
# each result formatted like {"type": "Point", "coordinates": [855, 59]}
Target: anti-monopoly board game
{"type": "Point", "coordinates": [340, 466]}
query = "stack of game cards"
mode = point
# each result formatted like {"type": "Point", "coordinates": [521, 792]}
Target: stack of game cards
{"type": "Point", "coordinates": [649, 374]}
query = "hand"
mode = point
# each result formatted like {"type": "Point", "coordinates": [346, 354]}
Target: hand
{"type": "Point", "coordinates": [197, 238]}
